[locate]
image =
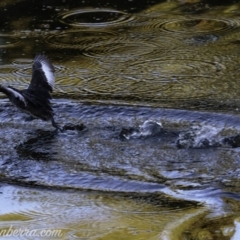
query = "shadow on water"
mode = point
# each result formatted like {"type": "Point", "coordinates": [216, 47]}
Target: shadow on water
{"type": "Point", "coordinates": [147, 94]}
{"type": "Point", "coordinates": [38, 147]}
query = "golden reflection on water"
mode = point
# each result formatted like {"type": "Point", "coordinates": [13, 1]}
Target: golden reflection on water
{"type": "Point", "coordinates": [87, 215]}
{"type": "Point", "coordinates": [153, 56]}
{"type": "Point", "coordinates": [146, 57]}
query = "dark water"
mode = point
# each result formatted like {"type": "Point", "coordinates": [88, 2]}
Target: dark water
{"type": "Point", "coordinates": [120, 64]}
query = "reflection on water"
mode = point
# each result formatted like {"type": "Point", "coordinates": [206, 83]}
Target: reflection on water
{"type": "Point", "coordinates": [181, 182]}
{"type": "Point", "coordinates": [155, 57]}
{"type": "Point", "coordinates": [94, 215]}
{"type": "Point", "coordinates": [86, 215]}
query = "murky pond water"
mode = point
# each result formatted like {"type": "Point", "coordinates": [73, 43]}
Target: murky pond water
{"type": "Point", "coordinates": [148, 94]}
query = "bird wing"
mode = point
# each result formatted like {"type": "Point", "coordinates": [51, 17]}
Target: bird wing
{"type": "Point", "coordinates": [42, 75]}
{"type": "Point", "coordinates": [14, 95]}
{"type": "Point", "coordinates": [37, 98]}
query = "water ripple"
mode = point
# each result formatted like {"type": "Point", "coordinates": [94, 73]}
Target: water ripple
{"type": "Point", "coordinates": [23, 72]}
{"type": "Point", "coordinates": [78, 39]}
{"type": "Point", "coordinates": [156, 200]}
{"type": "Point", "coordinates": [94, 17]}
{"type": "Point", "coordinates": [120, 48]}
{"type": "Point", "coordinates": [198, 25]}
{"type": "Point", "coordinates": [170, 66]}
{"type": "Point", "coordinates": [19, 62]}
{"type": "Point", "coordinates": [7, 41]}
{"type": "Point", "coordinates": [157, 78]}
{"type": "Point", "coordinates": [7, 74]}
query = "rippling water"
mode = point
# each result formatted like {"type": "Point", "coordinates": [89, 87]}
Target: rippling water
{"type": "Point", "coordinates": [122, 68]}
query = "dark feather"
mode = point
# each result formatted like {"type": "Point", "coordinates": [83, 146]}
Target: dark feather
{"type": "Point", "coordinates": [36, 99]}
{"type": "Point", "coordinates": [42, 75]}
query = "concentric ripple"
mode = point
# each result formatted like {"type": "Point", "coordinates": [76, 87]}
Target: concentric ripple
{"type": "Point", "coordinates": [94, 17]}
{"type": "Point", "coordinates": [173, 67]}
{"type": "Point", "coordinates": [6, 74]}
{"type": "Point", "coordinates": [119, 49]}
{"type": "Point", "coordinates": [158, 78]}
{"type": "Point", "coordinates": [98, 44]}
{"type": "Point", "coordinates": [78, 39]}
{"type": "Point", "coordinates": [8, 41]}
{"type": "Point", "coordinates": [197, 25]}
{"type": "Point", "coordinates": [22, 62]}
{"type": "Point", "coordinates": [6, 69]}
{"type": "Point", "coordinates": [23, 72]}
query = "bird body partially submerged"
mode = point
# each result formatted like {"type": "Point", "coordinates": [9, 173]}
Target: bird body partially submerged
{"type": "Point", "coordinates": [35, 100]}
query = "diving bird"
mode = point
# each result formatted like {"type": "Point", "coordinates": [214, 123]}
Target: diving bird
{"type": "Point", "coordinates": [35, 100]}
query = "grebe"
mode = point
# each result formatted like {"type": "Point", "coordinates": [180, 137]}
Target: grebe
{"type": "Point", "coordinates": [35, 100]}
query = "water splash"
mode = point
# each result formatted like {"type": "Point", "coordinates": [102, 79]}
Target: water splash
{"type": "Point", "coordinates": [200, 137]}
{"type": "Point", "coordinates": [147, 129]}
